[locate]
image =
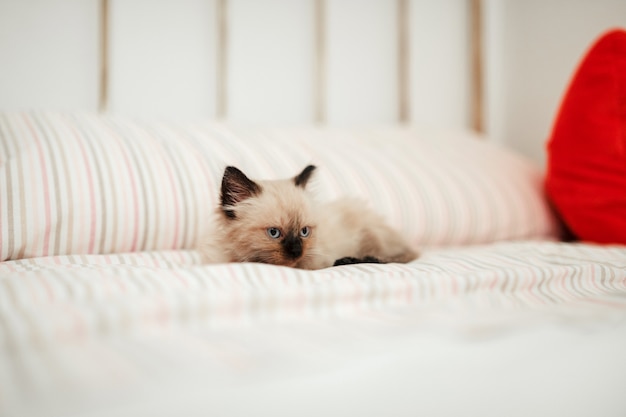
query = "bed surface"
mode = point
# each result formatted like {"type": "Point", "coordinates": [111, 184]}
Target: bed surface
{"type": "Point", "coordinates": [461, 330]}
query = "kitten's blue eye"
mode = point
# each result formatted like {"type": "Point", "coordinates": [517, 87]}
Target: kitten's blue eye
{"type": "Point", "coordinates": [273, 232]}
{"type": "Point", "coordinates": [305, 231]}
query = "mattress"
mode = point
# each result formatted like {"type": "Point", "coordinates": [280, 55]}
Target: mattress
{"type": "Point", "coordinates": [510, 328]}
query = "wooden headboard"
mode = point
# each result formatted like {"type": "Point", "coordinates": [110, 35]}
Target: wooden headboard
{"type": "Point", "coordinates": [278, 61]}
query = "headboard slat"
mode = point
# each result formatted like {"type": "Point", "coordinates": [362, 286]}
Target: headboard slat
{"type": "Point", "coordinates": [404, 94]}
{"type": "Point", "coordinates": [319, 73]}
{"type": "Point", "coordinates": [103, 88]}
{"type": "Point", "coordinates": [222, 60]}
{"type": "Point", "coordinates": [477, 98]}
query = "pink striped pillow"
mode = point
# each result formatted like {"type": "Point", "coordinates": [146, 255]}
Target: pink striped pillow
{"type": "Point", "coordinates": [104, 184]}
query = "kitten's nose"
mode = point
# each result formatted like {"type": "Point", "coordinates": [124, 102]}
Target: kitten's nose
{"type": "Point", "coordinates": [292, 246]}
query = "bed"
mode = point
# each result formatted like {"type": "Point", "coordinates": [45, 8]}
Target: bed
{"type": "Point", "coordinates": [511, 328]}
{"type": "Point", "coordinates": [106, 308]}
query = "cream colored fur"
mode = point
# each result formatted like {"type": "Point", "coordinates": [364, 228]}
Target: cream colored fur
{"type": "Point", "coordinates": [343, 228]}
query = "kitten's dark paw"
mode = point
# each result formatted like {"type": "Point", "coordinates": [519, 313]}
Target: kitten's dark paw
{"type": "Point", "coordinates": [348, 260]}
{"type": "Point", "coordinates": [372, 260]}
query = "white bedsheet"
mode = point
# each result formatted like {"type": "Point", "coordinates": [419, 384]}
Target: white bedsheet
{"type": "Point", "coordinates": [519, 328]}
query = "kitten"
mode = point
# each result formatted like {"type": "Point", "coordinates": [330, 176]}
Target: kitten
{"type": "Point", "coordinates": [278, 222]}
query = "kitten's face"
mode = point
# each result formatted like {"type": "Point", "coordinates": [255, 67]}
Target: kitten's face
{"type": "Point", "coordinates": [268, 221]}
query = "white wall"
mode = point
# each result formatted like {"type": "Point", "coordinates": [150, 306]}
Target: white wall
{"type": "Point", "coordinates": [163, 56]}
{"type": "Point", "coordinates": [270, 66]}
{"type": "Point", "coordinates": [48, 54]}
{"type": "Point", "coordinates": [534, 48]}
{"type": "Point", "coordinates": [440, 62]}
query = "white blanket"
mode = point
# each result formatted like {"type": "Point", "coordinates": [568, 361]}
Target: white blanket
{"type": "Point", "coordinates": [519, 328]}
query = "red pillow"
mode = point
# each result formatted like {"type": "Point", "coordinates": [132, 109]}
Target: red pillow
{"type": "Point", "coordinates": [586, 178]}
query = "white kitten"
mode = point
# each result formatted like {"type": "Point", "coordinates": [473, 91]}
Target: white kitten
{"type": "Point", "coordinates": [278, 222]}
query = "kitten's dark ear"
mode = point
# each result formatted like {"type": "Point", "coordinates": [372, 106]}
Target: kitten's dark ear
{"type": "Point", "coordinates": [302, 178]}
{"type": "Point", "coordinates": [236, 187]}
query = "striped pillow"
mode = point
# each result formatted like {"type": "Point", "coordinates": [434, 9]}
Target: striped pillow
{"type": "Point", "coordinates": [80, 183]}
